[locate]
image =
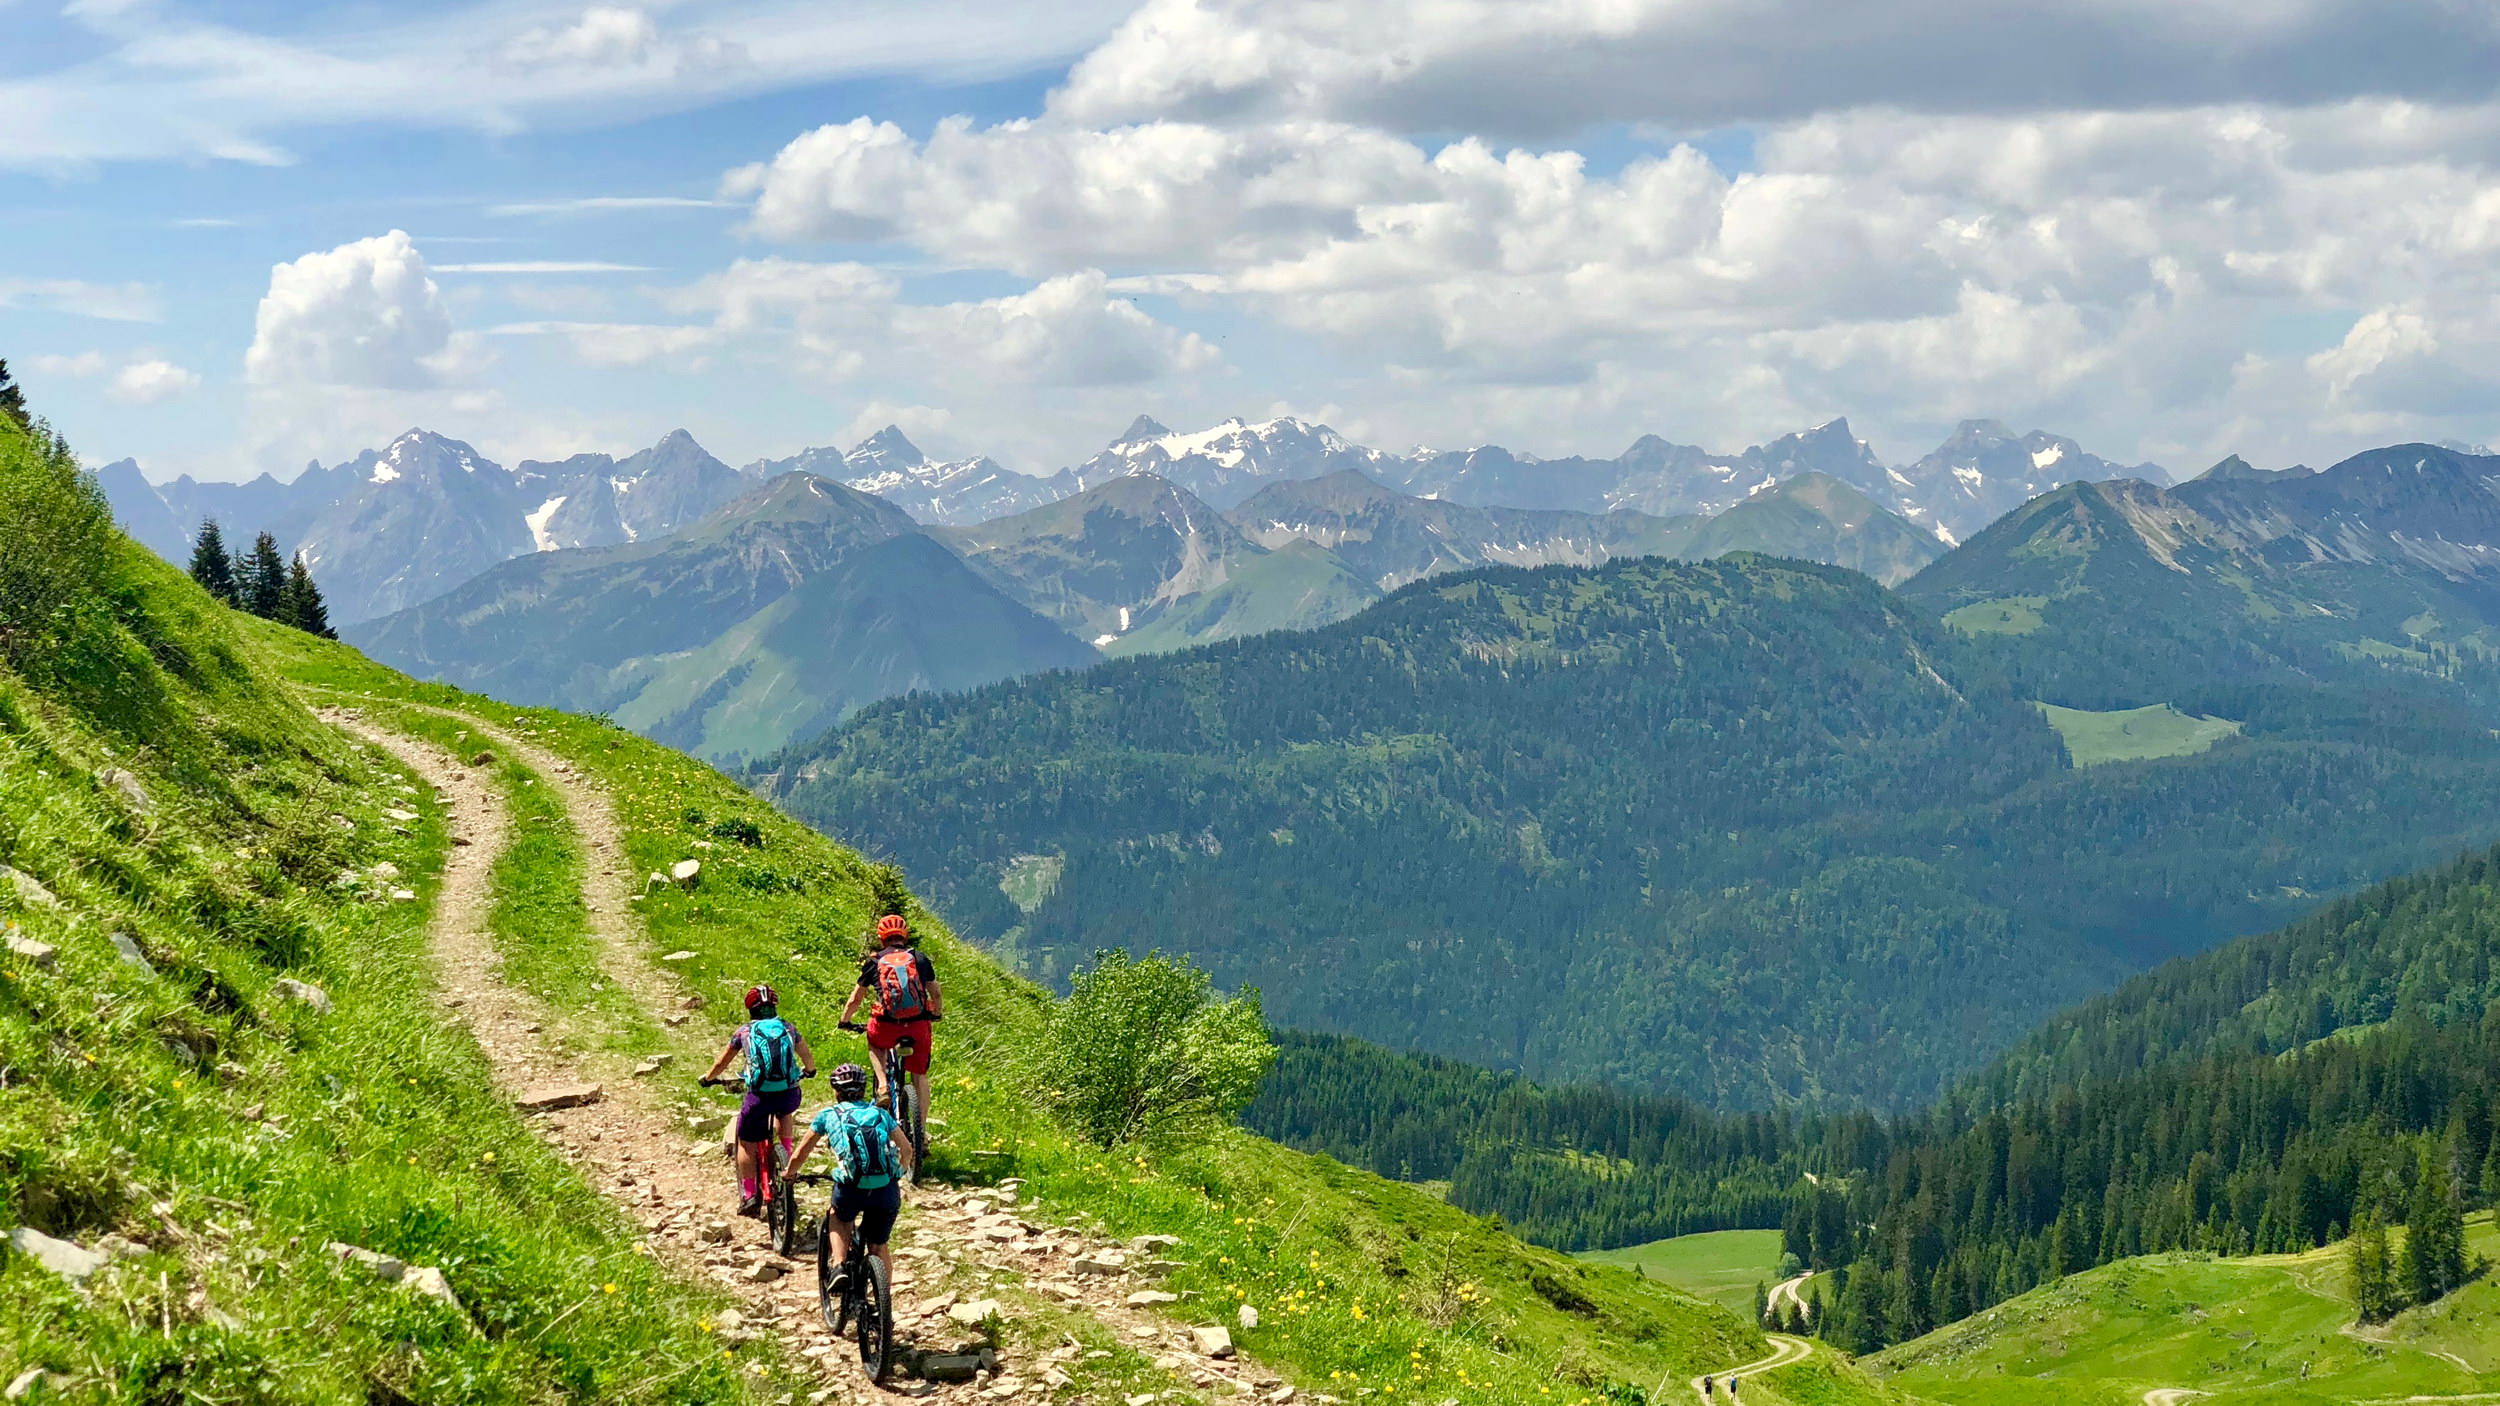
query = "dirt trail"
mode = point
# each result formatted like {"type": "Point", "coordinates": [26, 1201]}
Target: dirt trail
{"type": "Point", "coordinates": [2172, 1395]}
{"type": "Point", "coordinates": [677, 1186]}
{"type": "Point", "coordinates": [1786, 1291]}
{"type": "Point", "coordinates": [1785, 1351]}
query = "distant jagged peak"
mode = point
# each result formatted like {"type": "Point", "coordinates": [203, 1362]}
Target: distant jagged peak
{"type": "Point", "coordinates": [888, 448]}
{"type": "Point", "coordinates": [1141, 429]}
{"type": "Point", "coordinates": [416, 450]}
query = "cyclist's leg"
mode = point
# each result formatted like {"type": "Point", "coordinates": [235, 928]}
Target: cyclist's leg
{"type": "Point", "coordinates": [838, 1222]}
{"type": "Point", "coordinates": [877, 1210]}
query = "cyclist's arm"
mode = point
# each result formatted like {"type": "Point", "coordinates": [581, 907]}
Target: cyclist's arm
{"type": "Point", "coordinates": [850, 1008]}
{"type": "Point", "coordinates": [807, 1057]}
{"type": "Point", "coordinates": [937, 1000]}
{"type": "Point", "coordinates": [727, 1054]}
{"type": "Point", "coordinates": [807, 1144]}
{"type": "Point", "coordinates": [901, 1146]}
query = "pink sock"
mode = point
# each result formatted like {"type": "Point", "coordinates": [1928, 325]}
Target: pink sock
{"type": "Point", "coordinates": [747, 1185]}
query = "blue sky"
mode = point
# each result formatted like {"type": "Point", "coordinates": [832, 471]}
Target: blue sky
{"type": "Point", "coordinates": [1011, 228]}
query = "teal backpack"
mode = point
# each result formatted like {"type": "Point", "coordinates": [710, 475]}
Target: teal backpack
{"type": "Point", "coordinates": [867, 1158]}
{"type": "Point", "coordinates": [772, 1056]}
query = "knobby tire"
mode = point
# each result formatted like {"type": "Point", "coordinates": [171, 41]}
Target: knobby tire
{"type": "Point", "coordinates": [876, 1319]}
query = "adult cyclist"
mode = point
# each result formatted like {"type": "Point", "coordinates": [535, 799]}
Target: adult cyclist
{"type": "Point", "coordinates": [867, 1150]}
{"type": "Point", "coordinates": [777, 1058]}
{"type": "Point", "coordinates": [902, 983]}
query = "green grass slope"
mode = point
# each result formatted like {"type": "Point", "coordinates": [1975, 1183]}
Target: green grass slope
{"type": "Point", "coordinates": [2274, 1330]}
{"type": "Point", "coordinates": [1723, 1266]}
{"type": "Point", "coordinates": [227, 1133]}
{"type": "Point", "coordinates": [2134, 734]}
{"type": "Point", "coordinates": [1362, 1284]}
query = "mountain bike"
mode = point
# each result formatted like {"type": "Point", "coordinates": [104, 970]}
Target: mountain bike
{"type": "Point", "coordinates": [780, 1191]}
{"type": "Point", "coordinates": [900, 1101]}
{"type": "Point", "coordinates": [866, 1301]}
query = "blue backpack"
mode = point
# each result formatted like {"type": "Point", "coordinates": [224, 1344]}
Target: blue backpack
{"type": "Point", "coordinates": [867, 1160]}
{"type": "Point", "coordinates": [772, 1056]}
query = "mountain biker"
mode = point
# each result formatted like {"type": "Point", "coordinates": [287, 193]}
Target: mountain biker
{"type": "Point", "coordinates": [867, 1148]}
{"type": "Point", "coordinates": [903, 983]}
{"type": "Point", "coordinates": [777, 1058]}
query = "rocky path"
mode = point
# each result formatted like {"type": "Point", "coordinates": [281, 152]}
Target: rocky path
{"type": "Point", "coordinates": [968, 1262]}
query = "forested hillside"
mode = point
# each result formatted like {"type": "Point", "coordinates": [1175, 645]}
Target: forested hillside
{"type": "Point", "coordinates": [1751, 830]}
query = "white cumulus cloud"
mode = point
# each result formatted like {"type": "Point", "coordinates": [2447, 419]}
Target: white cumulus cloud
{"type": "Point", "coordinates": [147, 382]}
{"type": "Point", "coordinates": [365, 315]}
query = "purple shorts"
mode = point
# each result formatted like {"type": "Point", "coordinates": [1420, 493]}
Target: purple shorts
{"type": "Point", "coordinates": [760, 1113]}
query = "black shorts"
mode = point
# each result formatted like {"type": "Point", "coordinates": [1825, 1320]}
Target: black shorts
{"type": "Point", "coordinates": [874, 1210]}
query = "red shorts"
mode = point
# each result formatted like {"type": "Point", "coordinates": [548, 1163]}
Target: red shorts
{"type": "Point", "coordinates": [884, 1034]}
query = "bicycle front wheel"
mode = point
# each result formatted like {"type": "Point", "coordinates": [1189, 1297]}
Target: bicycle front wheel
{"type": "Point", "coordinates": [828, 1303]}
{"type": "Point", "coordinates": [876, 1319]}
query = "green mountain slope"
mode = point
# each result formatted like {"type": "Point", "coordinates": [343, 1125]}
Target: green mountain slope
{"type": "Point", "coordinates": [2383, 570]}
{"type": "Point", "coordinates": [766, 622]}
{"type": "Point", "coordinates": [1748, 830]}
{"type": "Point", "coordinates": [2270, 1328]}
{"type": "Point", "coordinates": [1299, 586]}
{"type": "Point", "coordinates": [1818, 518]}
{"type": "Point", "coordinates": [1110, 559]}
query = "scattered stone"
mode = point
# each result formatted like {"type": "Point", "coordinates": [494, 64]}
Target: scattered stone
{"type": "Point", "coordinates": [691, 1003]}
{"type": "Point", "coordinates": [707, 1124]}
{"type": "Point", "coordinates": [30, 890]}
{"type": "Point", "coordinates": [714, 1232]}
{"type": "Point", "coordinates": [1150, 1298]}
{"type": "Point", "coordinates": [974, 1313]}
{"type": "Point", "coordinates": [129, 950]}
{"type": "Point", "coordinates": [24, 1383]}
{"type": "Point", "coordinates": [66, 1258]}
{"type": "Point", "coordinates": [1211, 1341]}
{"type": "Point", "coordinates": [386, 871]}
{"type": "Point", "coordinates": [764, 1272]}
{"type": "Point", "coordinates": [686, 873]}
{"type": "Point", "coordinates": [1155, 1242]}
{"type": "Point", "coordinates": [26, 949]}
{"type": "Point", "coordinates": [404, 817]}
{"type": "Point", "coordinates": [429, 1281]}
{"type": "Point", "coordinates": [548, 1097]}
{"type": "Point", "coordinates": [1158, 1269]}
{"type": "Point", "coordinates": [1102, 1263]}
{"type": "Point", "coordinates": [680, 955]}
{"type": "Point", "coordinates": [403, 895]}
{"type": "Point", "coordinates": [384, 1267]}
{"type": "Point", "coordinates": [674, 1019]}
{"type": "Point", "coordinates": [1248, 1317]}
{"type": "Point", "coordinates": [652, 1066]}
{"type": "Point", "coordinates": [127, 786]}
{"type": "Point", "coordinates": [481, 759]}
{"type": "Point", "coordinates": [287, 988]}
{"type": "Point", "coordinates": [950, 1367]}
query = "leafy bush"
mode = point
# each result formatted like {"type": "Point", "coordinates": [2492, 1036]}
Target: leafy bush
{"type": "Point", "coordinates": [58, 527]}
{"type": "Point", "coordinates": [1143, 1048]}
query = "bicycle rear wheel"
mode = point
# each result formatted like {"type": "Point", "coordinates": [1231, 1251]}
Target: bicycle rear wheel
{"type": "Point", "coordinates": [782, 1211]}
{"type": "Point", "coordinates": [876, 1319]}
{"type": "Point", "coordinates": [907, 1122]}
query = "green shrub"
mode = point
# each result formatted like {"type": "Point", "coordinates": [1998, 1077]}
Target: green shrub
{"type": "Point", "coordinates": [1142, 1048]}
{"type": "Point", "coordinates": [58, 528]}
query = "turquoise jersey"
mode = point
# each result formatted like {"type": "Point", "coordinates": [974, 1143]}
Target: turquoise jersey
{"type": "Point", "coordinates": [858, 1134]}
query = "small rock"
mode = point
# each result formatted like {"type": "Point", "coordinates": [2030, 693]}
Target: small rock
{"type": "Point", "coordinates": [686, 873]}
{"type": "Point", "coordinates": [30, 890]}
{"type": "Point", "coordinates": [1155, 1242]}
{"type": "Point", "coordinates": [384, 1267]}
{"type": "Point", "coordinates": [287, 988]}
{"type": "Point", "coordinates": [128, 787]}
{"type": "Point", "coordinates": [1248, 1317]}
{"type": "Point", "coordinates": [402, 816]}
{"type": "Point", "coordinates": [66, 1258]}
{"type": "Point", "coordinates": [129, 950]}
{"type": "Point", "coordinates": [481, 759]}
{"type": "Point", "coordinates": [1102, 1263]}
{"type": "Point", "coordinates": [674, 1019]}
{"type": "Point", "coordinates": [549, 1097]}
{"type": "Point", "coordinates": [949, 1366]}
{"type": "Point", "coordinates": [714, 1232]}
{"type": "Point", "coordinates": [680, 955]}
{"type": "Point", "coordinates": [974, 1313]}
{"type": "Point", "coordinates": [1149, 1298]}
{"type": "Point", "coordinates": [730, 1320]}
{"type": "Point", "coordinates": [386, 871]}
{"type": "Point", "coordinates": [403, 895]}
{"type": "Point", "coordinates": [26, 949]}
{"type": "Point", "coordinates": [1158, 1269]}
{"type": "Point", "coordinates": [429, 1281]}
{"type": "Point", "coordinates": [24, 1383]}
{"type": "Point", "coordinates": [691, 1003]}
{"type": "Point", "coordinates": [764, 1272]}
{"type": "Point", "coordinates": [1211, 1341]}
{"type": "Point", "coordinates": [652, 1066]}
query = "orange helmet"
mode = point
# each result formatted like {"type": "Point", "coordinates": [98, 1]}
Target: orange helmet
{"type": "Point", "coordinates": [892, 926]}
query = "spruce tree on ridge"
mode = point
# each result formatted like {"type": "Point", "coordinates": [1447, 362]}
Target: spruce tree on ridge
{"type": "Point", "coordinates": [211, 566]}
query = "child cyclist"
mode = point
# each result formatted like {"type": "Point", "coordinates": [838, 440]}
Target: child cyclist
{"type": "Point", "coordinates": [902, 981]}
{"type": "Point", "coordinates": [777, 1058]}
{"type": "Point", "coordinates": [867, 1152]}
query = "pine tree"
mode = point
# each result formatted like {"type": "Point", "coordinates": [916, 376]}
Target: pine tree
{"type": "Point", "coordinates": [12, 399]}
{"type": "Point", "coordinates": [2433, 1260]}
{"type": "Point", "coordinates": [210, 565]}
{"type": "Point", "coordinates": [2373, 1286]}
{"type": "Point", "coordinates": [1814, 1308]}
{"type": "Point", "coordinates": [260, 579]}
{"type": "Point", "coordinates": [1762, 1307]}
{"type": "Point", "coordinates": [303, 607]}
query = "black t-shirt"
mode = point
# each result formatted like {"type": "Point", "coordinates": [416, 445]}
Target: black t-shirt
{"type": "Point", "coordinates": [921, 967]}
